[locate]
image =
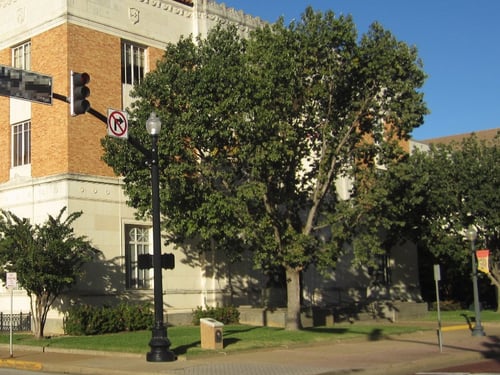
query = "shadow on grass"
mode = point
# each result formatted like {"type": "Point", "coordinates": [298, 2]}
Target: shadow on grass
{"type": "Point", "coordinates": [228, 341]}
{"type": "Point", "coordinates": [232, 331]}
{"type": "Point", "coordinates": [183, 349]}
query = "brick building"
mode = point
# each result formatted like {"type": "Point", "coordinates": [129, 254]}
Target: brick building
{"type": "Point", "coordinates": [49, 159]}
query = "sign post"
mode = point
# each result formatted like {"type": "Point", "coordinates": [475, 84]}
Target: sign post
{"type": "Point", "coordinates": [11, 284]}
{"type": "Point", "coordinates": [437, 278]}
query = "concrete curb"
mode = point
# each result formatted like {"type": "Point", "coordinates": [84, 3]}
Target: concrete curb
{"type": "Point", "coordinates": [21, 365]}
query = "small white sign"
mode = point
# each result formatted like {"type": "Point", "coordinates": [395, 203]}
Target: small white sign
{"type": "Point", "coordinates": [11, 280]}
{"type": "Point", "coordinates": [437, 272]}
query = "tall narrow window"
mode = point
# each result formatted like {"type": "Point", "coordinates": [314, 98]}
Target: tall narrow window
{"type": "Point", "coordinates": [137, 242]}
{"type": "Point", "coordinates": [133, 63]}
{"type": "Point", "coordinates": [21, 56]}
{"type": "Point", "coordinates": [21, 143]}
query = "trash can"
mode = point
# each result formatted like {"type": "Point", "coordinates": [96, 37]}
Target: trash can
{"type": "Point", "coordinates": [211, 332]}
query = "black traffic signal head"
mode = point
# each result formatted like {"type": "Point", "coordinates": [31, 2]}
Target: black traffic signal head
{"type": "Point", "coordinates": [79, 93]}
{"type": "Point", "coordinates": [167, 261]}
{"type": "Point", "coordinates": [144, 261]}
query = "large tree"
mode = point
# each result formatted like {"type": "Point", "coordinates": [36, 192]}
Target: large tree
{"type": "Point", "coordinates": [258, 130]}
{"type": "Point", "coordinates": [47, 258]}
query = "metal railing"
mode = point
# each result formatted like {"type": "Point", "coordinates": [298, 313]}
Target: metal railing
{"type": "Point", "coordinates": [20, 322]}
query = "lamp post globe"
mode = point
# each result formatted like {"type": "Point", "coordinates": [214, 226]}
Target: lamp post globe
{"type": "Point", "coordinates": [153, 124]}
{"type": "Point", "coordinates": [478, 328]}
{"type": "Point", "coordinates": [160, 344]}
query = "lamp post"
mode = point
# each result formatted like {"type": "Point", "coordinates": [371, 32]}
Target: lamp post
{"type": "Point", "coordinates": [160, 344]}
{"type": "Point", "coordinates": [478, 328]}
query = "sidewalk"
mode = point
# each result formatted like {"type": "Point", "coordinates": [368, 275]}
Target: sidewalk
{"type": "Point", "coordinates": [397, 355]}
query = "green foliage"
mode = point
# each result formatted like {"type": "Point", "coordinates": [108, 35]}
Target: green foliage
{"type": "Point", "coordinates": [446, 305]}
{"type": "Point", "coordinates": [48, 258]}
{"type": "Point", "coordinates": [251, 151]}
{"type": "Point", "coordinates": [432, 197]}
{"type": "Point", "coordinates": [98, 320]}
{"type": "Point", "coordinates": [226, 314]}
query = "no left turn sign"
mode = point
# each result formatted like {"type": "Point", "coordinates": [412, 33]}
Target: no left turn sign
{"type": "Point", "coordinates": [117, 123]}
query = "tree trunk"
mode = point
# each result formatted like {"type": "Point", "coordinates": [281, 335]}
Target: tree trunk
{"type": "Point", "coordinates": [35, 316]}
{"type": "Point", "coordinates": [38, 315]}
{"type": "Point", "coordinates": [293, 299]}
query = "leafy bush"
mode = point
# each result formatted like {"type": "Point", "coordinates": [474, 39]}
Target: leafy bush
{"type": "Point", "coordinates": [226, 315]}
{"type": "Point", "coordinates": [137, 317]}
{"type": "Point", "coordinates": [95, 320]}
{"type": "Point", "coordinates": [446, 305]}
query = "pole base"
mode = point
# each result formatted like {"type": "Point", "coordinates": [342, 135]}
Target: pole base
{"type": "Point", "coordinates": [478, 331]}
{"type": "Point", "coordinates": [160, 346]}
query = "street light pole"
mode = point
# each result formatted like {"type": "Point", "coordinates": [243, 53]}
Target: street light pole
{"type": "Point", "coordinates": [160, 344]}
{"type": "Point", "coordinates": [478, 328]}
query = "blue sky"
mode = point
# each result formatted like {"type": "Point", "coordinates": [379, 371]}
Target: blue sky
{"type": "Point", "coordinates": [458, 41]}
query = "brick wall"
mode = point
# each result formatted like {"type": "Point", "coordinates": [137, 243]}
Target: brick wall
{"type": "Point", "coordinates": [5, 58]}
{"type": "Point", "coordinates": [62, 143]}
{"type": "Point", "coordinates": [65, 144]}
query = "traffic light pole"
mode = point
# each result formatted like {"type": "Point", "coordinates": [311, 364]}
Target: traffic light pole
{"type": "Point", "coordinates": [159, 343]}
{"type": "Point", "coordinates": [133, 142]}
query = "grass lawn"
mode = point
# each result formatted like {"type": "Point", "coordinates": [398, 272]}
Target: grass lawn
{"type": "Point", "coordinates": [186, 340]}
{"type": "Point", "coordinates": [462, 316]}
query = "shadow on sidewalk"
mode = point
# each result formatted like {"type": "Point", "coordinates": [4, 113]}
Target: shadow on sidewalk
{"type": "Point", "coordinates": [490, 348]}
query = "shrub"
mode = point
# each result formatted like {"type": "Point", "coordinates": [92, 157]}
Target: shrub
{"type": "Point", "coordinates": [137, 317]}
{"type": "Point", "coordinates": [95, 320]}
{"type": "Point", "coordinates": [445, 305]}
{"type": "Point", "coordinates": [226, 315]}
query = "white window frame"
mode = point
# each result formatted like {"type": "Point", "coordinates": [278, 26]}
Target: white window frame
{"type": "Point", "coordinates": [21, 56]}
{"type": "Point", "coordinates": [138, 240]}
{"type": "Point", "coordinates": [134, 63]}
{"type": "Point", "coordinates": [21, 144]}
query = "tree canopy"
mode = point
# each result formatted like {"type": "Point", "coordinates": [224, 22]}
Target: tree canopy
{"type": "Point", "coordinates": [47, 258]}
{"type": "Point", "coordinates": [438, 193]}
{"type": "Point", "coordinates": [258, 131]}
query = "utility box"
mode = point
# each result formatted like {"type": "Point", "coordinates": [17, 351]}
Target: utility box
{"type": "Point", "coordinates": [211, 332]}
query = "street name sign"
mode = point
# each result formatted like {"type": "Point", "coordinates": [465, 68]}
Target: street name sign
{"type": "Point", "coordinates": [26, 85]}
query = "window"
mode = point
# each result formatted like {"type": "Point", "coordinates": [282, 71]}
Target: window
{"type": "Point", "coordinates": [21, 56]}
{"type": "Point", "coordinates": [21, 143]}
{"type": "Point", "coordinates": [381, 273]}
{"type": "Point", "coordinates": [133, 63]}
{"type": "Point", "coordinates": [137, 242]}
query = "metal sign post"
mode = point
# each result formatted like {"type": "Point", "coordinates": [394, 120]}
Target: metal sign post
{"type": "Point", "coordinates": [437, 278]}
{"type": "Point", "coordinates": [11, 284]}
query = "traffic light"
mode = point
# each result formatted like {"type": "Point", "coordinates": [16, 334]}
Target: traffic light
{"type": "Point", "coordinates": [168, 261]}
{"type": "Point", "coordinates": [144, 261]}
{"type": "Point", "coordinates": [79, 93]}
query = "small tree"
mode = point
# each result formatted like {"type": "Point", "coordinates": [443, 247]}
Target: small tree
{"type": "Point", "coordinates": [433, 196]}
{"type": "Point", "coordinates": [47, 258]}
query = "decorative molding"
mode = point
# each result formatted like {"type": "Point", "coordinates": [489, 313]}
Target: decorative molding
{"type": "Point", "coordinates": [159, 4]}
{"type": "Point", "coordinates": [220, 13]}
{"type": "Point", "coordinates": [7, 3]}
{"type": "Point", "coordinates": [21, 15]}
{"type": "Point", "coordinates": [213, 11]}
{"type": "Point", "coordinates": [133, 15]}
